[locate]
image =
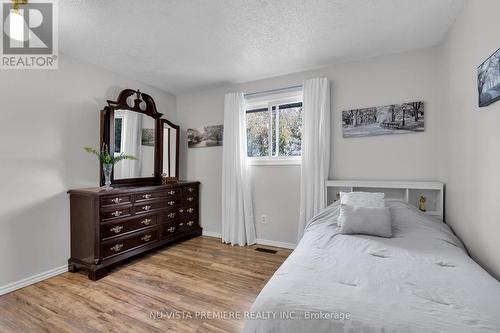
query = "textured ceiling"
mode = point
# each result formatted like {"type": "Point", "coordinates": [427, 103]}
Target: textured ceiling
{"type": "Point", "coordinates": [184, 45]}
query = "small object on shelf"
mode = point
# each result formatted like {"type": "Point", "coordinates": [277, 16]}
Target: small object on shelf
{"type": "Point", "coordinates": [421, 203]}
{"type": "Point", "coordinates": [168, 180]}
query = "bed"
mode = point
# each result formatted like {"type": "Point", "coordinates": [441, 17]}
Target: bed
{"type": "Point", "coordinates": [420, 280]}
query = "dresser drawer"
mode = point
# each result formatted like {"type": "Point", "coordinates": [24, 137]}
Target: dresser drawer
{"type": "Point", "coordinates": [189, 191]}
{"type": "Point", "coordinates": [190, 198]}
{"type": "Point", "coordinates": [119, 246]}
{"type": "Point", "coordinates": [171, 202]}
{"type": "Point", "coordinates": [188, 211]}
{"type": "Point", "coordinates": [160, 195]}
{"type": "Point", "coordinates": [145, 207]}
{"type": "Point", "coordinates": [115, 200]}
{"type": "Point", "coordinates": [168, 230]}
{"type": "Point", "coordinates": [169, 216]}
{"type": "Point", "coordinates": [119, 228]}
{"type": "Point", "coordinates": [188, 224]}
{"type": "Point", "coordinates": [173, 192]}
{"type": "Point", "coordinates": [118, 212]}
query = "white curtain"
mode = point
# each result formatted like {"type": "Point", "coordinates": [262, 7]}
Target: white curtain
{"type": "Point", "coordinates": [131, 145]}
{"type": "Point", "coordinates": [315, 149]}
{"type": "Point", "coordinates": [238, 226]}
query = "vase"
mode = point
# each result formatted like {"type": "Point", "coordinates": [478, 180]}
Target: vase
{"type": "Point", "coordinates": [107, 169]}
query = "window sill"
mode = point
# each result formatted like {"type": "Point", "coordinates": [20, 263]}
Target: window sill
{"type": "Point", "coordinates": [275, 161]}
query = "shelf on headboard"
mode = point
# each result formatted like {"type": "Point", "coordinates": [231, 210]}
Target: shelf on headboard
{"type": "Point", "coordinates": [410, 191]}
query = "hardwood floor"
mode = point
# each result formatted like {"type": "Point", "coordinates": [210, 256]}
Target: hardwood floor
{"type": "Point", "coordinates": [195, 279]}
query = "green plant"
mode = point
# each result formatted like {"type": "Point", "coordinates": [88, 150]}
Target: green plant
{"type": "Point", "coordinates": [105, 157]}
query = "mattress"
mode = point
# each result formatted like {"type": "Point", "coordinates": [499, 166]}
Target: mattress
{"type": "Point", "coordinates": [420, 280]}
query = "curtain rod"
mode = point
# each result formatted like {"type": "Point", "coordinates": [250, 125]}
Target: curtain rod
{"type": "Point", "coordinates": [272, 91]}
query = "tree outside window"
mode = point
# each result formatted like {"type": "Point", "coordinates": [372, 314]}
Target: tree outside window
{"type": "Point", "coordinates": [275, 131]}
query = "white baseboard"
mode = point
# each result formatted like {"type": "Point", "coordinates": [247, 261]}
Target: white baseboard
{"type": "Point", "coordinates": [259, 241]}
{"type": "Point", "coordinates": [32, 279]}
{"type": "Point", "coordinates": [212, 234]}
{"type": "Point", "coordinates": [283, 245]}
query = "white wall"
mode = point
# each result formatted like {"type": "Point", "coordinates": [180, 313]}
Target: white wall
{"type": "Point", "coordinates": [46, 117]}
{"type": "Point", "coordinates": [380, 81]}
{"type": "Point", "coordinates": [471, 155]}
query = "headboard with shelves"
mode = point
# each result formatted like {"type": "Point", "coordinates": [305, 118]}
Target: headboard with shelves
{"type": "Point", "coordinates": [409, 191]}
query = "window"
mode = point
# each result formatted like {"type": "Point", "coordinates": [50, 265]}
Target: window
{"type": "Point", "coordinates": [274, 131]}
{"type": "Point", "coordinates": [118, 134]}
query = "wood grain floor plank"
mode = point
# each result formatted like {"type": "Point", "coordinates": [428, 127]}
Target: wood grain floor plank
{"type": "Point", "coordinates": [192, 280]}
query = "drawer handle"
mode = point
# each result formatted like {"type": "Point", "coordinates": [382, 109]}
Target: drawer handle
{"type": "Point", "coordinates": [117, 247]}
{"type": "Point", "coordinates": [171, 229]}
{"type": "Point", "coordinates": [171, 215]}
{"type": "Point", "coordinates": [146, 221]}
{"type": "Point", "coordinates": [146, 208]}
{"type": "Point", "coordinates": [171, 192]}
{"type": "Point", "coordinates": [190, 210]}
{"type": "Point", "coordinates": [117, 213]}
{"type": "Point", "coordinates": [171, 203]}
{"type": "Point", "coordinates": [117, 229]}
{"type": "Point", "coordinates": [190, 199]}
{"type": "Point", "coordinates": [146, 238]}
{"type": "Point", "coordinates": [116, 200]}
{"type": "Point", "coordinates": [190, 223]}
{"type": "Point", "coordinates": [181, 224]}
{"type": "Point", "coordinates": [146, 196]}
{"type": "Point", "coordinates": [181, 210]}
{"type": "Point", "coordinates": [190, 189]}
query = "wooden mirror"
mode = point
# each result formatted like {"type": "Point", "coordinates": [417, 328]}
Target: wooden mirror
{"type": "Point", "coordinates": [170, 134]}
{"type": "Point", "coordinates": [132, 125]}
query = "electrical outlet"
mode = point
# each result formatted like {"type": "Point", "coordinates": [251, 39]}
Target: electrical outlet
{"type": "Point", "coordinates": [263, 219]}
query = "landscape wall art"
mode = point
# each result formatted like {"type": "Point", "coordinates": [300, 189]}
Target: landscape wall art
{"type": "Point", "coordinates": [208, 136]}
{"type": "Point", "coordinates": [488, 80]}
{"type": "Point", "coordinates": [383, 120]}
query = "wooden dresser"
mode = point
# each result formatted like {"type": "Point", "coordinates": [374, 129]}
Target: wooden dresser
{"type": "Point", "coordinates": [108, 227]}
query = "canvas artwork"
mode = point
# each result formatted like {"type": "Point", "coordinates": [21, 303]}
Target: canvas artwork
{"type": "Point", "coordinates": [488, 80]}
{"type": "Point", "coordinates": [383, 120]}
{"type": "Point", "coordinates": [208, 136]}
{"type": "Point", "coordinates": [148, 137]}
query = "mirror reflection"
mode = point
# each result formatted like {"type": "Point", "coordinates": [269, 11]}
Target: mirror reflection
{"type": "Point", "coordinates": [134, 135]}
{"type": "Point", "coordinates": [169, 150]}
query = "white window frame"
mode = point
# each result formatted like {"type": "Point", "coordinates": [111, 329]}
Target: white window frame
{"type": "Point", "coordinates": [269, 102]}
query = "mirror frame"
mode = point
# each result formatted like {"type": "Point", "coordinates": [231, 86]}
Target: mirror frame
{"type": "Point", "coordinates": [108, 127]}
{"type": "Point", "coordinates": [177, 138]}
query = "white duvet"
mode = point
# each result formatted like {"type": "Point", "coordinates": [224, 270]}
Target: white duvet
{"type": "Point", "coordinates": [420, 280]}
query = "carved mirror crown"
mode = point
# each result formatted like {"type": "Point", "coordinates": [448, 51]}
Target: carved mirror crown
{"type": "Point", "coordinates": [142, 103]}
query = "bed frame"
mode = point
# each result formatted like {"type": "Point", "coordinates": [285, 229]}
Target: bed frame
{"type": "Point", "coordinates": [409, 191]}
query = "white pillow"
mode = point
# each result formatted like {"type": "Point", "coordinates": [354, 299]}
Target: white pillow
{"type": "Point", "coordinates": [363, 199]}
{"type": "Point", "coordinates": [363, 220]}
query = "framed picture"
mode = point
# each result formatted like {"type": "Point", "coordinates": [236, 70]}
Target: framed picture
{"type": "Point", "coordinates": [382, 120]}
{"type": "Point", "coordinates": [208, 136]}
{"type": "Point", "coordinates": [488, 80]}
{"type": "Point", "coordinates": [148, 137]}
